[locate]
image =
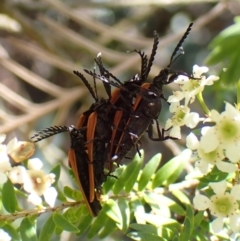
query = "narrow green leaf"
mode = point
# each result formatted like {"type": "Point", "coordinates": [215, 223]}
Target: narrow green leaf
{"type": "Point", "coordinates": [190, 215]}
{"type": "Point", "coordinates": [125, 213]}
{"type": "Point", "coordinates": [11, 231]}
{"type": "Point", "coordinates": [84, 223]}
{"type": "Point", "coordinates": [144, 236]}
{"type": "Point", "coordinates": [28, 230]}
{"type": "Point", "coordinates": [138, 209]}
{"type": "Point", "coordinates": [148, 171]}
{"type": "Point", "coordinates": [98, 223]}
{"type": "Point", "coordinates": [108, 228]}
{"type": "Point", "coordinates": [128, 176]}
{"type": "Point", "coordinates": [70, 215]}
{"type": "Point", "coordinates": [146, 228]}
{"type": "Point", "coordinates": [198, 218]}
{"type": "Point", "coordinates": [61, 197]}
{"type": "Point", "coordinates": [185, 233]}
{"type": "Point", "coordinates": [71, 193]}
{"type": "Point", "coordinates": [171, 171]}
{"type": "Point", "coordinates": [134, 175]}
{"type": "Point", "coordinates": [181, 196]}
{"type": "Point", "coordinates": [107, 186]}
{"type": "Point", "coordinates": [9, 199]}
{"type": "Point", "coordinates": [63, 223]}
{"type": "Point", "coordinates": [113, 211]}
{"type": "Point", "coordinates": [47, 230]}
{"type": "Point", "coordinates": [164, 203]}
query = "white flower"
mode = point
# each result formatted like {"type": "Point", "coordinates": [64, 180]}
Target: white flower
{"type": "Point", "coordinates": [20, 150]}
{"type": "Point", "coordinates": [37, 184]}
{"type": "Point", "coordinates": [192, 86]}
{"type": "Point", "coordinates": [5, 165]}
{"type": "Point", "coordinates": [226, 133]}
{"type": "Point", "coordinates": [208, 159]}
{"type": "Point", "coordinates": [182, 116]}
{"type": "Point", "coordinates": [198, 71]}
{"type": "Point", "coordinates": [34, 199]}
{"type": "Point", "coordinates": [35, 164]}
{"type": "Point", "coordinates": [50, 196]}
{"type": "Point", "coordinates": [4, 236]}
{"type": "Point", "coordinates": [17, 174]}
{"type": "Point", "coordinates": [222, 205]}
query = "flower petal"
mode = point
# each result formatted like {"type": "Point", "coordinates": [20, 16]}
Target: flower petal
{"type": "Point", "coordinates": [217, 225]}
{"type": "Point", "coordinates": [50, 196]}
{"type": "Point", "coordinates": [201, 202]}
{"type": "Point", "coordinates": [192, 141]}
{"type": "Point", "coordinates": [234, 222]}
{"type": "Point", "coordinates": [236, 191]}
{"type": "Point", "coordinates": [226, 167]}
{"type": "Point", "coordinates": [218, 187]}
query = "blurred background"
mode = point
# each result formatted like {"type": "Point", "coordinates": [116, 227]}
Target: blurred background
{"type": "Point", "coordinates": [42, 42]}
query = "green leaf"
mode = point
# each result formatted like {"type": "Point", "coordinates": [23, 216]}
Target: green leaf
{"type": "Point", "coordinates": [28, 230]}
{"type": "Point", "coordinates": [63, 223]}
{"type": "Point", "coordinates": [164, 202]}
{"type": "Point", "coordinates": [170, 172]}
{"type": "Point", "coordinates": [11, 231]}
{"type": "Point", "coordinates": [146, 228]}
{"type": "Point", "coordinates": [138, 209]}
{"type": "Point", "coordinates": [225, 51]}
{"type": "Point", "coordinates": [215, 175]}
{"type": "Point", "coordinates": [198, 218]}
{"type": "Point", "coordinates": [128, 176]}
{"type": "Point", "coordinates": [71, 193]}
{"type": "Point", "coordinates": [47, 230]}
{"type": "Point", "coordinates": [148, 171]}
{"type": "Point", "coordinates": [98, 223]}
{"type": "Point", "coordinates": [113, 211]}
{"type": "Point", "coordinates": [107, 186]}
{"type": "Point", "coordinates": [70, 215]}
{"type": "Point", "coordinates": [181, 196]}
{"type": "Point", "coordinates": [125, 213]}
{"type": "Point", "coordinates": [144, 236]}
{"type": "Point", "coordinates": [108, 228]}
{"type": "Point", "coordinates": [9, 199]}
{"type": "Point", "coordinates": [58, 230]}
{"type": "Point", "coordinates": [84, 223]}
{"type": "Point", "coordinates": [188, 225]}
{"type": "Point", "coordinates": [162, 232]}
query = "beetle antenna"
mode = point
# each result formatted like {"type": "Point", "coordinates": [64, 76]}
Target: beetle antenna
{"type": "Point", "coordinates": [144, 63]}
{"type": "Point", "coordinates": [94, 82]}
{"type": "Point", "coordinates": [50, 131]}
{"type": "Point", "coordinates": [103, 73]}
{"type": "Point", "coordinates": [84, 80]}
{"type": "Point", "coordinates": [179, 45]}
{"type": "Point", "coordinates": [152, 56]}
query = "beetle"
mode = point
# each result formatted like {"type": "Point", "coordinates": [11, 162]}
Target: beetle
{"type": "Point", "coordinates": [147, 105]}
{"type": "Point", "coordinates": [98, 128]}
{"type": "Point", "coordinates": [78, 160]}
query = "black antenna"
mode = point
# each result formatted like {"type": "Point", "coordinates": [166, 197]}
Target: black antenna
{"type": "Point", "coordinates": [84, 80]}
{"type": "Point", "coordinates": [152, 56]}
{"type": "Point", "coordinates": [103, 72]}
{"type": "Point", "coordinates": [50, 131]}
{"type": "Point", "coordinates": [179, 45]}
{"type": "Point", "coordinates": [144, 63]}
{"type": "Point", "coordinates": [94, 83]}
